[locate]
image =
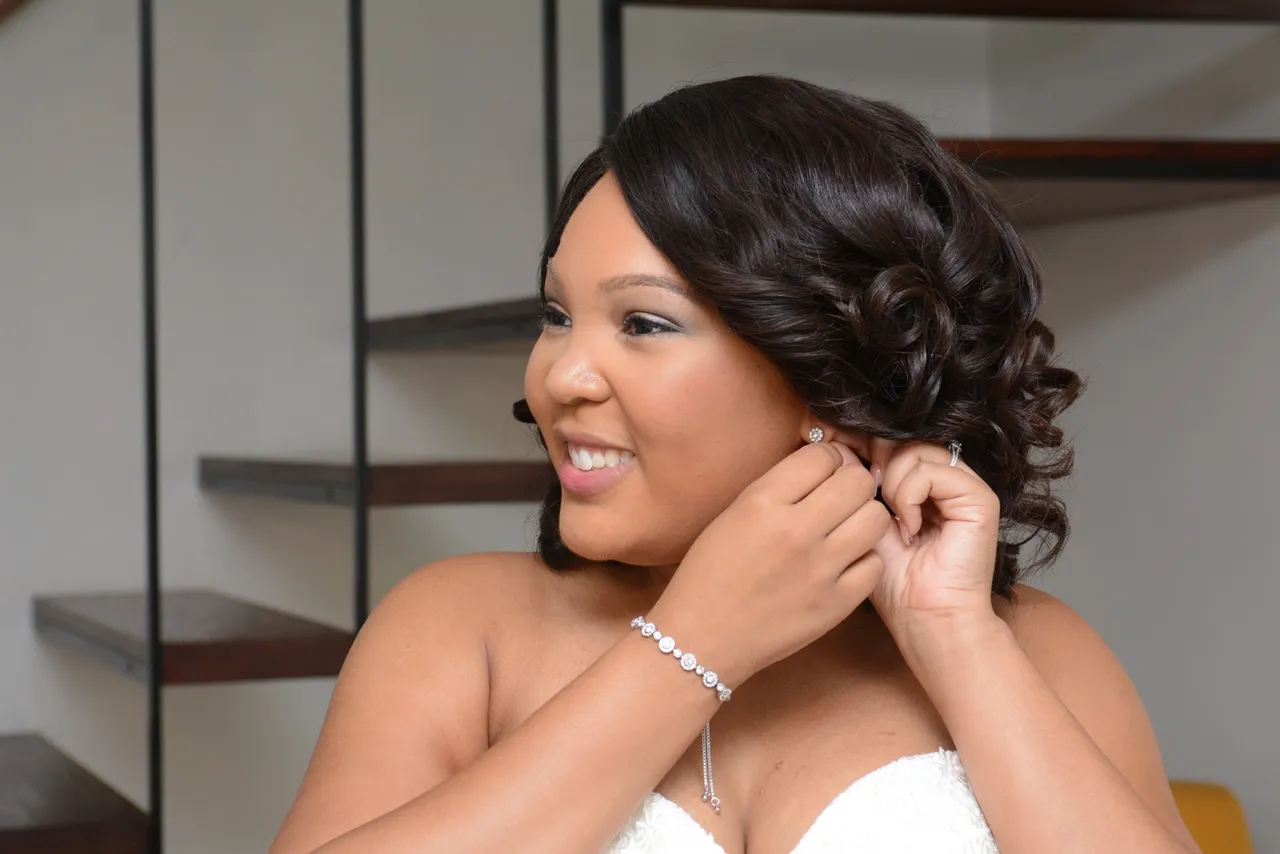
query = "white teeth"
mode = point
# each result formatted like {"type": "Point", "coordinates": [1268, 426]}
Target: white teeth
{"type": "Point", "coordinates": [587, 460]}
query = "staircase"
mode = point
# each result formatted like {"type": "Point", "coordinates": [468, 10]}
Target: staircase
{"type": "Point", "coordinates": [49, 803]}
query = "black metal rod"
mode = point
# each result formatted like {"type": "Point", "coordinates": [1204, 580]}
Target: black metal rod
{"type": "Point", "coordinates": [611, 61]}
{"type": "Point", "coordinates": [359, 329]}
{"type": "Point", "coordinates": [155, 649]}
{"type": "Point", "coordinates": [551, 103]}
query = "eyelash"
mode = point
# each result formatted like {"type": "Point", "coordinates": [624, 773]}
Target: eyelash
{"type": "Point", "coordinates": [549, 315]}
{"type": "Point", "coordinates": [554, 317]}
{"type": "Point", "coordinates": [655, 324]}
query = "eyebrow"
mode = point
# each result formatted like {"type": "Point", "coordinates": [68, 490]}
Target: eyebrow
{"type": "Point", "coordinates": [622, 281]}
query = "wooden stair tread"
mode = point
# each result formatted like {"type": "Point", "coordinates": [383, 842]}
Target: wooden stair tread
{"type": "Point", "coordinates": [208, 637]}
{"type": "Point", "coordinates": [501, 321]}
{"type": "Point", "coordinates": [1122, 158]}
{"type": "Point", "coordinates": [8, 7]}
{"type": "Point", "coordinates": [49, 802]}
{"type": "Point", "coordinates": [1134, 10]}
{"type": "Point", "coordinates": [1052, 181]}
{"type": "Point", "coordinates": [469, 326]}
{"type": "Point", "coordinates": [390, 484]}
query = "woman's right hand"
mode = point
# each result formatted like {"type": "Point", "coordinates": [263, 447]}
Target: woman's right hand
{"type": "Point", "coordinates": [781, 566]}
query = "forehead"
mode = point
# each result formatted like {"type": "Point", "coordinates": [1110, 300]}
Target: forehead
{"type": "Point", "coordinates": [602, 241]}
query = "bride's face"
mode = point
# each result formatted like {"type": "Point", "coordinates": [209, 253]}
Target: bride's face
{"type": "Point", "coordinates": [655, 414]}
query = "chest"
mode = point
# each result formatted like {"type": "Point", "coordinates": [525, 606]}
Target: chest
{"type": "Point", "coordinates": [793, 739]}
{"type": "Point", "coordinates": [919, 804]}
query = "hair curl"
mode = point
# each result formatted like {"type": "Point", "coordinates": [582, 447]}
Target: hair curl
{"type": "Point", "coordinates": [838, 237]}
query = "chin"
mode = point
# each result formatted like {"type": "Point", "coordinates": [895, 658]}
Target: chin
{"type": "Point", "coordinates": [599, 537]}
{"type": "Point", "coordinates": [590, 541]}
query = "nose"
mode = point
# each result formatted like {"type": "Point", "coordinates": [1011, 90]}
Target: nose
{"type": "Point", "coordinates": [573, 375]}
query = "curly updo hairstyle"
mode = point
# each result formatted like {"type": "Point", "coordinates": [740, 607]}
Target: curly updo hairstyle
{"type": "Point", "coordinates": [836, 236]}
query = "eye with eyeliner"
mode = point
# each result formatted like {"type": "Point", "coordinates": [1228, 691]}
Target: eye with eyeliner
{"type": "Point", "coordinates": [634, 322]}
{"type": "Point", "coordinates": [551, 316]}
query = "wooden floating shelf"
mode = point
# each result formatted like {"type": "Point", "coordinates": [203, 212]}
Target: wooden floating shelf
{"type": "Point", "coordinates": [1130, 10]}
{"type": "Point", "coordinates": [472, 326]}
{"type": "Point", "coordinates": [510, 322]}
{"type": "Point", "coordinates": [208, 637]}
{"type": "Point", "coordinates": [49, 802]}
{"type": "Point", "coordinates": [1054, 181]}
{"type": "Point", "coordinates": [393, 484]}
{"type": "Point", "coordinates": [8, 7]}
{"type": "Point", "coordinates": [1123, 159]}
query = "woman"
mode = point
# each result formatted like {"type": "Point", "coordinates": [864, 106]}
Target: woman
{"type": "Point", "coordinates": [802, 415]}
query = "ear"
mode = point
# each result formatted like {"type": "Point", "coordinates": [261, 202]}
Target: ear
{"type": "Point", "coordinates": [868, 448]}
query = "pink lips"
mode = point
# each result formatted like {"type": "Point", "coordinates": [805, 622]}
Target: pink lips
{"type": "Point", "coordinates": [592, 482]}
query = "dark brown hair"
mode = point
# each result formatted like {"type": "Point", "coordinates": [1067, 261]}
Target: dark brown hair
{"type": "Point", "coordinates": [834, 234]}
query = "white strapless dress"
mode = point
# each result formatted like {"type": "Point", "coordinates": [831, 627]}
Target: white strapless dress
{"type": "Point", "coordinates": [916, 805]}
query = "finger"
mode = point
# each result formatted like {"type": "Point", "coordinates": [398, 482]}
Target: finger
{"type": "Point", "coordinates": [858, 533]}
{"type": "Point", "coordinates": [897, 460]}
{"type": "Point", "coordinates": [846, 453]}
{"type": "Point", "coordinates": [958, 496]}
{"type": "Point", "coordinates": [870, 449]}
{"type": "Point", "coordinates": [802, 471]}
{"type": "Point", "coordinates": [858, 581]}
{"type": "Point", "coordinates": [892, 545]}
{"type": "Point", "coordinates": [835, 500]}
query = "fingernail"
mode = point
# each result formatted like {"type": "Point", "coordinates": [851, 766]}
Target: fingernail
{"type": "Point", "coordinates": [906, 536]}
{"type": "Point", "coordinates": [878, 473]}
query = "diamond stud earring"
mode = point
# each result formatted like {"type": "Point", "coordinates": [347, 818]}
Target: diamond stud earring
{"type": "Point", "coordinates": [816, 435]}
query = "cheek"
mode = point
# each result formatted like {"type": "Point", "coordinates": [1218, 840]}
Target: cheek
{"type": "Point", "coordinates": [535, 372]}
{"type": "Point", "coordinates": [533, 369]}
{"type": "Point", "coordinates": [708, 428]}
{"type": "Point", "coordinates": [705, 431]}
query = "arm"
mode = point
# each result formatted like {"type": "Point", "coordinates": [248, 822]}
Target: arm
{"type": "Point", "coordinates": [402, 764]}
{"type": "Point", "coordinates": [1051, 732]}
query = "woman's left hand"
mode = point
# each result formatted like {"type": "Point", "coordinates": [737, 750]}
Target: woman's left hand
{"type": "Point", "coordinates": [952, 521]}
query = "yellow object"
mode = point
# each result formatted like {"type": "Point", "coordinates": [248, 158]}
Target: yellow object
{"type": "Point", "coordinates": [1214, 817]}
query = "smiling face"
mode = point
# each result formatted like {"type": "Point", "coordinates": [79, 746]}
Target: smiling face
{"type": "Point", "coordinates": [655, 414]}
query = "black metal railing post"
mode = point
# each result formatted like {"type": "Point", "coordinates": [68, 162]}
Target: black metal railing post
{"type": "Point", "coordinates": [359, 327]}
{"type": "Point", "coordinates": [155, 648]}
{"type": "Point", "coordinates": [551, 103]}
{"type": "Point", "coordinates": [611, 61]}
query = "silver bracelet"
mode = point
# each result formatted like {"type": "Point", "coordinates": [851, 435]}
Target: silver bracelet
{"type": "Point", "coordinates": [667, 645]}
{"type": "Point", "coordinates": [688, 661]}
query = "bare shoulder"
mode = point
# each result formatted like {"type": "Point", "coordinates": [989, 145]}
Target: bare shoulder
{"type": "Point", "coordinates": [438, 626]}
{"type": "Point", "coordinates": [1068, 652]}
{"type": "Point", "coordinates": [1046, 627]}
{"type": "Point", "coordinates": [1091, 682]}
{"type": "Point", "coordinates": [411, 705]}
{"type": "Point", "coordinates": [470, 590]}
{"type": "Point", "coordinates": [452, 604]}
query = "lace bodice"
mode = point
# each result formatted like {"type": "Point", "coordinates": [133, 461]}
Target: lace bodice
{"type": "Point", "coordinates": [916, 805]}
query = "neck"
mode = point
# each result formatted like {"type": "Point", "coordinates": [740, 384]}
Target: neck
{"type": "Point", "coordinates": [650, 578]}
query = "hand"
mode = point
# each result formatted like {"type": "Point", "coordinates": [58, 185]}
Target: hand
{"type": "Point", "coordinates": [940, 558]}
{"type": "Point", "coordinates": [780, 567]}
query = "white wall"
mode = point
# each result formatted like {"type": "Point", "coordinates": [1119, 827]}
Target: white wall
{"type": "Point", "coordinates": [1128, 79]}
{"type": "Point", "coordinates": [253, 255]}
{"type": "Point", "coordinates": [71, 497]}
{"type": "Point", "coordinates": [1173, 317]}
